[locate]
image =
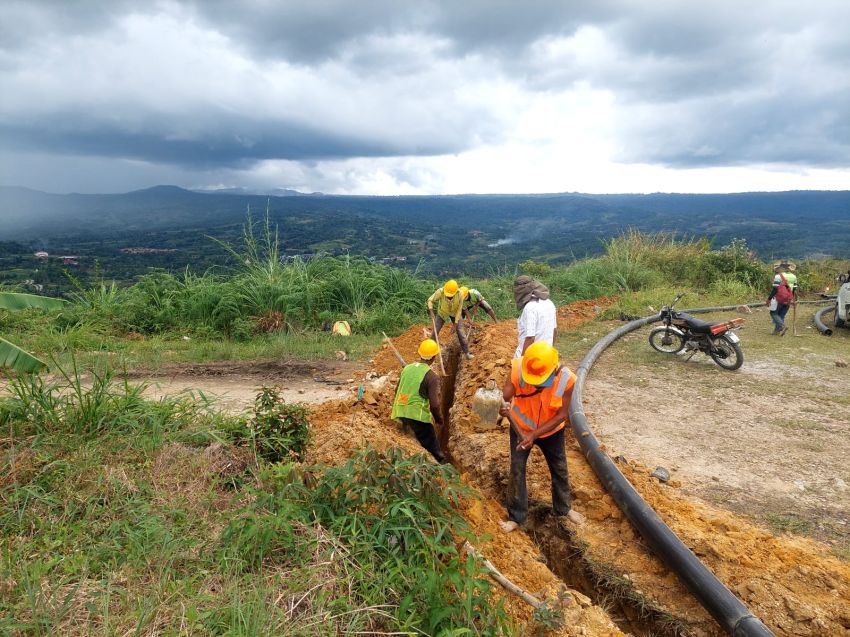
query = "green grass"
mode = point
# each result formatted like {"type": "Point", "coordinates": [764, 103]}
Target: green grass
{"type": "Point", "coordinates": [842, 551]}
{"type": "Point", "coordinates": [125, 516]}
{"type": "Point", "coordinates": [788, 523]}
{"type": "Point", "coordinates": [798, 425]}
{"type": "Point", "coordinates": [156, 350]}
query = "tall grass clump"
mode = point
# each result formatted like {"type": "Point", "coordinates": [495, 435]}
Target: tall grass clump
{"type": "Point", "coordinates": [261, 292]}
{"type": "Point", "coordinates": [399, 526]}
{"type": "Point", "coordinates": [635, 262]}
{"type": "Point", "coordinates": [86, 403]}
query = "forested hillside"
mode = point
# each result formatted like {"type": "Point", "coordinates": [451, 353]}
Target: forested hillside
{"type": "Point", "coordinates": [130, 234]}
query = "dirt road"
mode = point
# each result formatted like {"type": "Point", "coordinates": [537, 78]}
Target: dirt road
{"type": "Point", "coordinates": [233, 385]}
{"type": "Point", "coordinates": [770, 440]}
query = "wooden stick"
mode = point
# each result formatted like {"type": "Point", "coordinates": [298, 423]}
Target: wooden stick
{"type": "Point", "coordinates": [794, 317]}
{"type": "Point", "coordinates": [437, 341]}
{"type": "Point", "coordinates": [504, 581]}
{"type": "Point", "coordinates": [395, 351]}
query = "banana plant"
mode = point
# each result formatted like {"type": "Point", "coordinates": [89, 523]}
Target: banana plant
{"type": "Point", "coordinates": [12, 356]}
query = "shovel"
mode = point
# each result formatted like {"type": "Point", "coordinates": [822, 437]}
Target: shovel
{"type": "Point", "coordinates": [437, 340]}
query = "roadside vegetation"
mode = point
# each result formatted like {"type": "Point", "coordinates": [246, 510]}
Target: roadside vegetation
{"type": "Point", "coordinates": [270, 307]}
{"type": "Point", "coordinates": [120, 515]}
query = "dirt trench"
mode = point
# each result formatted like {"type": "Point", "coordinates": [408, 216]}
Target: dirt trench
{"type": "Point", "coordinates": [339, 427]}
{"type": "Point", "coordinates": [792, 584]}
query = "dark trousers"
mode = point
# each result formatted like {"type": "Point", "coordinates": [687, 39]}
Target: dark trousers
{"type": "Point", "coordinates": [778, 317]}
{"type": "Point", "coordinates": [427, 437]}
{"type": "Point", "coordinates": [461, 333]}
{"type": "Point", "coordinates": [555, 451]}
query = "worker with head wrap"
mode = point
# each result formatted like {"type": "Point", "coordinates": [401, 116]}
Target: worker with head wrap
{"type": "Point", "coordinates": [537, 320]}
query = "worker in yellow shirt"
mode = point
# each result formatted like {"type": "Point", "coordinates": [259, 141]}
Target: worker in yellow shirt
{"type": "Point", "coordinates": [449, 308]}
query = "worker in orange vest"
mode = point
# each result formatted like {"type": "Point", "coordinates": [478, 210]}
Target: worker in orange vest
{"type": "Point", "coordinates": [537, 398]}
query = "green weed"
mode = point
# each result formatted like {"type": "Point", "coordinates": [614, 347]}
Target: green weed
{"type": "Point", "coordinates": [278, 430]}
{"type": "Point", "coordinates": [788, 524]}
{"type": "Point", "coordinates": [397, 519]}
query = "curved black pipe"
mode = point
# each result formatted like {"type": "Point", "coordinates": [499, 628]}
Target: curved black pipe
{"type": "Point", "coordinates": [718, 600]}
{"type": "Point", "coordinates": [822, 328]}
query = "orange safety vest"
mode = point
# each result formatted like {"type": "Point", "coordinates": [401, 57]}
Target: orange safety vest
{"type": "Point", "coordinates": [532, 406]}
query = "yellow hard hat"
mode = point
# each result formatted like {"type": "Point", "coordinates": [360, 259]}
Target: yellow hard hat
{"type": "Point", "coordinates": [428, 348]}
{"type": "Point", "coordinates": [538, 362]}
{"type": "Point", "coordinates": [464, 291]}
{"type": "Point", "coordinates": [450, 288]}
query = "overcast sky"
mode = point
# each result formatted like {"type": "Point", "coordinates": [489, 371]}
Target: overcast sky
{"type": "Point", "coordinates": [425, 97]}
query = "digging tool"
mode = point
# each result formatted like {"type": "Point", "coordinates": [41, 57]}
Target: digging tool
{"type": "Point", "coordinates": [395, 351]}
{"type": "Point", "coordinates": [437, 340]}
{"type": "Point", "coordinates": [794, 317]}
{"type": "Point", "coordinates": [504, 581]}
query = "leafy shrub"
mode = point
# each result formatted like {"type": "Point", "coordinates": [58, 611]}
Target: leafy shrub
{"type": "Point", "coordinates": [736, 261]}
{"type": "Point", "coordinates": [242, 329]}
{"type": "Point", "coordinates": [397, 519]}
{"type": "Point", "coordinates": [280, 430]}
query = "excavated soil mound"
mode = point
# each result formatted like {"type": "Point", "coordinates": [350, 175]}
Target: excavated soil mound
{"type": "Point", "coordinates": [793, 585]}
{"type": "Point", "coordinates": [340, 427]}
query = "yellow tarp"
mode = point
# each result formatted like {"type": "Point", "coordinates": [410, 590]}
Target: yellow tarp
{"type": "Point", "coordinates": [342, 328]}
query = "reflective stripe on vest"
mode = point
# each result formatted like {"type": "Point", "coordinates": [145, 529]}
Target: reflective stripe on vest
{"type": "Point", "coordinates": [539, 401]}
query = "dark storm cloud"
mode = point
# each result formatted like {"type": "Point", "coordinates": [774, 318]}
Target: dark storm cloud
{"type": "Point", "coordinates": [224, 143]}
{"type": "Point", "coordinates": [692, 84]}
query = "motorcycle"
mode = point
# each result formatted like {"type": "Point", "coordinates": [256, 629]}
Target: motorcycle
{"type": "Point", "coordinates": [681, 331]}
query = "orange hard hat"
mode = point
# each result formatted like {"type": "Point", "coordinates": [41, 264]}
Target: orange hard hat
{"type": "Point", "coordinates": [538, 362]}
{"type": "Point", "coordinates": [428, 348]}
{"type": "Point", "coordinates": [450, 288]}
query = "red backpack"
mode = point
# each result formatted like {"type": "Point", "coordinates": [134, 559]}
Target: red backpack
{"type": "Point", "coordinates": [783, 295]}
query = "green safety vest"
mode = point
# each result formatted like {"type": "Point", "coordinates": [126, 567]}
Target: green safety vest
{"type": "Point", "coordinates": [449, 307]}
{"type": "Point", "coordinates": [408, 402]}
{"type": "Point", "coordinates": [473, 298]}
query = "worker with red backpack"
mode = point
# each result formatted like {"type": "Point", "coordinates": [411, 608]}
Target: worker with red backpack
{"type": "Point", "coordinates": [782, 295]}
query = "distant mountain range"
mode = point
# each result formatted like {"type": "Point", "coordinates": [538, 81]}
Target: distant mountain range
{"type": "Point", "coordinates": [494, 227]}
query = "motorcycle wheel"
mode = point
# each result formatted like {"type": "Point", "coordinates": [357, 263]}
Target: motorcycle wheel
{"type": "Point", "coordinates": [666, 341]}
{"type": "Point", "coordinates": [727, 354]}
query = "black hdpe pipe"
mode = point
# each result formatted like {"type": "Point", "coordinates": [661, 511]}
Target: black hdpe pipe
{"type": "Point", "coordinates": [709, 591]}
{"type": "Point", "coordinates": [822, 328]}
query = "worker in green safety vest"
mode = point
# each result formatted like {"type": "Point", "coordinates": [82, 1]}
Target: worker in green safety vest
{"type": "Point", "coordinates": [472, 300]}
{"type": "Point", "coordinates": [417, 399]}
{"type": "Point", "coordinates": [449, 308]}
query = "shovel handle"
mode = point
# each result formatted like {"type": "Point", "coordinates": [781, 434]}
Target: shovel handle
{"type": "Point", "coordinates": [395, 351]}
{"type": "Point", "coordinates": [437, 341]}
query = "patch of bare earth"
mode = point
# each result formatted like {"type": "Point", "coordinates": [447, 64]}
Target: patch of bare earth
{"type": "Point", "coordinates": [233, 385]}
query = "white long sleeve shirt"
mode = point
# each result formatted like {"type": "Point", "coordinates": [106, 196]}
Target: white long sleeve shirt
{"type": "Point", "coordinates": [538, 319]}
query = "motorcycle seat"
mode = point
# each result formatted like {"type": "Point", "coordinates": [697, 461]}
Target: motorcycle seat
{"type": "Point", "coordinates": [697, 326]}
